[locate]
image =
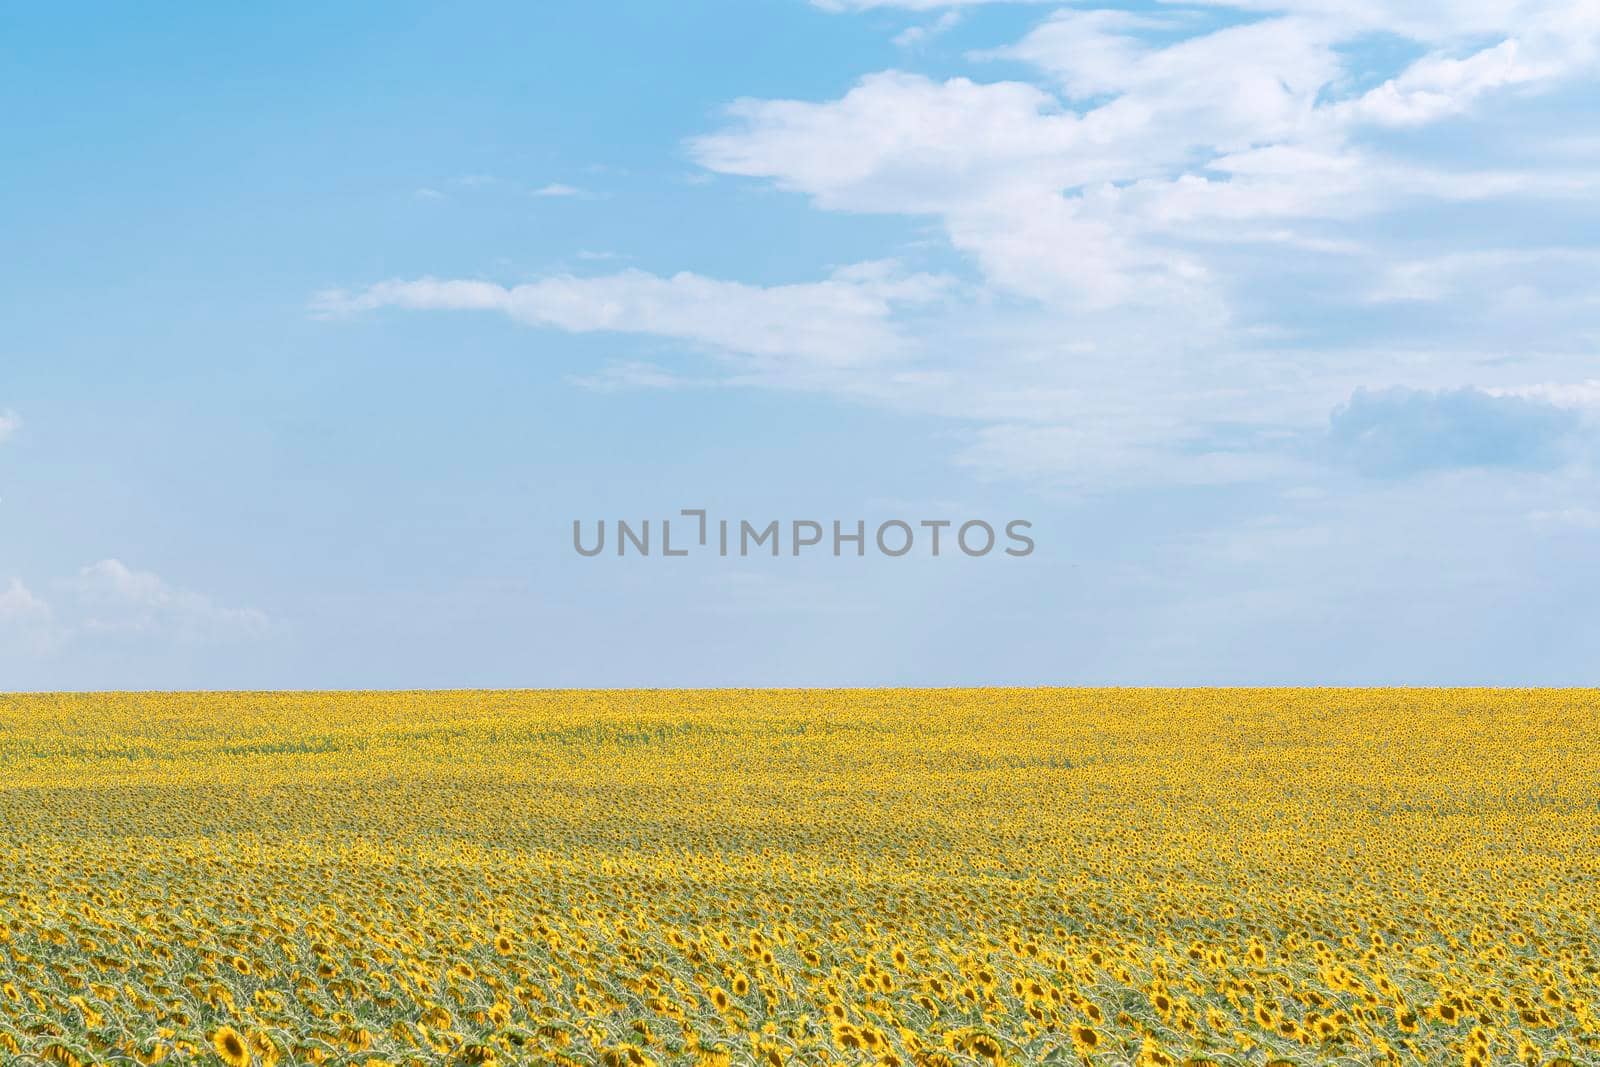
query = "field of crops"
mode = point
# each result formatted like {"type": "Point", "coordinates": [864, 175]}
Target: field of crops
{"type": "Point", "coordinates": [845, 877]}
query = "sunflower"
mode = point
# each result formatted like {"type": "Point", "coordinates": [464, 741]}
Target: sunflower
{"type": "Point", "coordinates": [1151, 1055]}
{"type": "Point", "coordinates": [56, 1052]}
{"type": "Point", "coordinates": [846, 1036]}
{"type": "Point", "coordinates": [1085, 1038]}
{"type": "Point", "coordinates": [985, 1046]}
{"type": "Point", "coordinates": [231, 1048]}
{"type": "Point", "coordinates": [265, 1051]}
{"type": "Point", "coordinates": [150, 1056]}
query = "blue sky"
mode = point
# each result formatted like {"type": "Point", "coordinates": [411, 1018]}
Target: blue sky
{"type": "Point", "coordinates": [1280, 321]}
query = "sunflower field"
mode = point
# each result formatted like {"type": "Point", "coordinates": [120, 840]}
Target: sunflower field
{"type": "Point", "coordinates": [901, 877]}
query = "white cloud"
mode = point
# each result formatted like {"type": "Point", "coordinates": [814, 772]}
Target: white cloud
{"type": "Point", "coordinates": [992, 161]}
{"type": "Point", "coordinates": [17, 603]}
{"type": "Point", "coordinates": [1438, 86]}
{"type": "Point", "coordinates": [1436, 22]}
{"type": "Point", "coordinates": [902, 143]}
{"type": "Point", "coordinates": [115, 599]}
{"type": "Point", "coordinates": [9, 425]}
{"type": "Point", "coordinates": [1583, 395]}
{"type": "Point", "coordinates": [916, 36]}
{"type": "Point", "coordinates": [27, 623]}
{"type": "Point", "coordinates": [908, 5]}
{"type": "Point", "coordinates": [1090, 195]}
{"type": "Point", "coordinates": [1221, 91]}
{"type": "Point", "coordinates": [840, 322]}
{"type": "Point", "coordinates": [109, 601]}
{"type": "Point", "coordinates": [557, 189]}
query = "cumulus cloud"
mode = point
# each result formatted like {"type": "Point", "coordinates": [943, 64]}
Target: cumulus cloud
{"type": "Point", "coordinates": [1398, 432]}
{"type": "Point", "coordinates": [991, 160]}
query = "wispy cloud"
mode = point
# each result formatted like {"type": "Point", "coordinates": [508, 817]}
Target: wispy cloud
{"type": "Point", "coordinates": [10, 423]}
{"type": "Point", "coordinates": [843, 321]}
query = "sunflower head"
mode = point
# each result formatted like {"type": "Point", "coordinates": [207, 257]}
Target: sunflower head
{"type": "Point", "coordinates": [230, 1047]}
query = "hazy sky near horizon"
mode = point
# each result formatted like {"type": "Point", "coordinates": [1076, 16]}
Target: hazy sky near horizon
{"type": "Point", "coordinates": [1280, 321]}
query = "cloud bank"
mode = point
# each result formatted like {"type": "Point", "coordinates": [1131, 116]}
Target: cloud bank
{"type": "Point", "coordinates": [1169, 240]}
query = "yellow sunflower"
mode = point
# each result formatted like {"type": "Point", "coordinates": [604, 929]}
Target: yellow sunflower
{"type": "Point", "coordinates": [230, 1047]}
